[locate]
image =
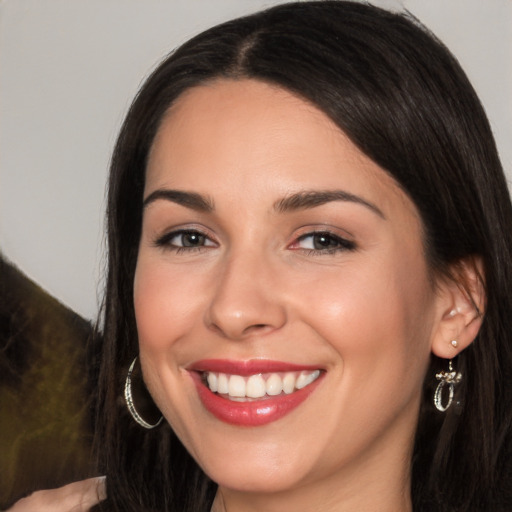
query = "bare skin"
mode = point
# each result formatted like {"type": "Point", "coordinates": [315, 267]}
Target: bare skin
{"type": "Point", "coordinates": [76, 497]}
{"type": "Point", "coordinates": [268, 235]}
{"type": "Point", "coordinates": [238, 275]}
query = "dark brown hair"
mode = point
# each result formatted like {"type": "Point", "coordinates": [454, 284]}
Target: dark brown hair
{"type": "Point", "coordinates": [403, 99]}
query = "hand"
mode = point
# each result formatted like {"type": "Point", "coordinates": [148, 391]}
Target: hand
{"type": "Point", "coordinates": [75, 497]}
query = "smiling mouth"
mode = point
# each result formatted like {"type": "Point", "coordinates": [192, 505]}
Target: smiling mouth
{"type": "Point", "coordinates": [259, 386]}
{"type": "Point", "coordinates": [253, 393]}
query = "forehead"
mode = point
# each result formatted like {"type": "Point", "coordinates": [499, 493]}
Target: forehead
{"type": "Point", "coordinates": [248, 135]}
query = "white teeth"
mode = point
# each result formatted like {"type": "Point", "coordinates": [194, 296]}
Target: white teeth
{"type": "Point", "coordinates": [288, 383]}
{"type": "Point", "coordinates": [306, 378]}
{"type": "Point", "coordinates": [258, 385]}
{"type": "Point", "coordinates": [236, 386]}
{"type": "Point", "coordinates": [255, 386]}
{"type": "Point", "coordinates": [222, 384]}
{"type": "Point", "coordinates": [274, 385]}
{"type": "Point", "coordinates": [213, 382]}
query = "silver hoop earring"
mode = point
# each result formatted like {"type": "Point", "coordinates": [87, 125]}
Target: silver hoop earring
{"type": "Point", "coordinates": [130, 404]}
{"type": "Point", "coordinates": [450, 379]}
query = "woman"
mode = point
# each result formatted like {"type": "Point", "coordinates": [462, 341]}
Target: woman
{"type": "Point", "coordinates": [309, 259]}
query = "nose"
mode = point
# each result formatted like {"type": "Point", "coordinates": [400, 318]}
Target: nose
{"type": "Point", "coordinates": [246, 300]}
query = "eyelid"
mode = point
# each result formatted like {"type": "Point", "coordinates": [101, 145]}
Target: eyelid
{"type": "Point", "coordinates": [323, 228]}
{"type": "Point", "coordinates": [346, 240]}
{"type": "Point", "coordinates": [163, 240]}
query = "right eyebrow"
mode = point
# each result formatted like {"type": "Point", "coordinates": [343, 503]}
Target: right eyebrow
{"type": "Point", "coordinates": [312, 198]}
{"type": "Point", "coordinates": [187, 199]}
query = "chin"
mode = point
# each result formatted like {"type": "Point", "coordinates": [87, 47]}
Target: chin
{"type": "Point", "coordinates": [257, 467]}
{"type": "Point", "coordinates": [257, 480]}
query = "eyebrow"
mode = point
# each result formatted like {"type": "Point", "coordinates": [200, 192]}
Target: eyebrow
{"type": "Point", "coordinates": [313, 198]}
{"type": "Point", "coordinates": [188, 199]}
{"type": "Point", "coordinates": [299, 201]}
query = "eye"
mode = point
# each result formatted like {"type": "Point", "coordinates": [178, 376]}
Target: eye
{"type": "Point", "coordinates": [185, 240]}
{"type": "Point", "coordinates": [322, 242]}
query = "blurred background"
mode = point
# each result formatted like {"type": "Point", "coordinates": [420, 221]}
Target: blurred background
{"type": "Point", "coordinates": [68, 71]}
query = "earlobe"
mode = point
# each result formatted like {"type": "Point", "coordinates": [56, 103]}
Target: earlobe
{"type": "Point", "coordinates": [461, 308]}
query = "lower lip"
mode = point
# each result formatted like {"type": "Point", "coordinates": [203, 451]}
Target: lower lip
{"type": "Point", "coordinates": [253, 413]}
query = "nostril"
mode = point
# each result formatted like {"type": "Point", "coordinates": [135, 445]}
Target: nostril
{"type": "Point", "coordinates": [216, 328]}
{"type": "Point", "coordinates": [256, 327]}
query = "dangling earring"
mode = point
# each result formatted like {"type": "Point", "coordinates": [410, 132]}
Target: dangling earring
{"type": "Point", "coordinates": [130, 404]}
{"type": "Point", "coordinates": [450, 379]}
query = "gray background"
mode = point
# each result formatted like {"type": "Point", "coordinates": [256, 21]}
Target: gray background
{"type": "Point", "coordinates": [68, 70]}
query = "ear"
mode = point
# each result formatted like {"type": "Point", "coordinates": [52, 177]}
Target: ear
{"type": "Point", "coordinates": [461, 305]}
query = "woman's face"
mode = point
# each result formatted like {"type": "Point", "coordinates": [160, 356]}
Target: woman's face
{"type": "Point", "coordinates": [275, 256]}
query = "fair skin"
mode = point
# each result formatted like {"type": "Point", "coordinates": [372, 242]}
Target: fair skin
{"type": "Point", "coordinates": [334, 279]}
{"type": "Point", "coordinates": [281, 242]}
{"type": "Point", "coordinates": [74, 497]}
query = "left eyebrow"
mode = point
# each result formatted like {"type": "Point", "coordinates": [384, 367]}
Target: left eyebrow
{"type": "Point", "coordinates": [313, 198]}
{"type": "Point", "coordinates": [187, 199]}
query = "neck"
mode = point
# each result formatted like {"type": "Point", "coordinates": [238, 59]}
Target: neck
{"type": "Point", "coordinates": [226, 502]}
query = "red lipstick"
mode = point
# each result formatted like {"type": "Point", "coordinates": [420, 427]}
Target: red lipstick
{"type": "Point", "coordinates": [254, 412]}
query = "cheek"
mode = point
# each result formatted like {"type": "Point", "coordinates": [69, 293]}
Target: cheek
{"type": "Point", "coordinates": [378, 317]}
{"type": "Point", "coordinates": [164, 315]}
{"type": "Point", "coordinates": [164, 304]}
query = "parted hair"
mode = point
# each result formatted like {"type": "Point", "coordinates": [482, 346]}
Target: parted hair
{"type": "Point", "coordinates": [401, 97]}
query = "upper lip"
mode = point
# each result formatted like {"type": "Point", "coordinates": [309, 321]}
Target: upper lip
{"type": "Point", "coordinates": [248, 367]}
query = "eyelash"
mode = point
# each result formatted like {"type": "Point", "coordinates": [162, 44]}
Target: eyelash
{"type": "Point", "coordinates": [342, 244]}
{"type": "Point", "coordinates": [165, 241]}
